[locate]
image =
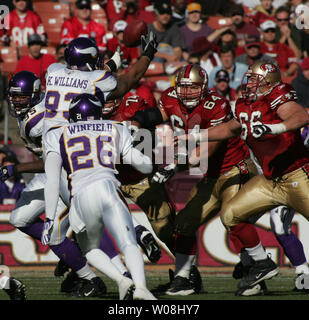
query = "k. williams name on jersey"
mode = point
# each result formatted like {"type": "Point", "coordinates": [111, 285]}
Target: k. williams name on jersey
{"type": "Point", "coordinates": [67, 82]}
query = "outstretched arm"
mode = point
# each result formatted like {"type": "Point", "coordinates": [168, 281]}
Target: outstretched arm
{"type": "Point", "coordinates": [223, 131]}
{"type": "Point", "coordinates": [128, 80]}
{"type": "Point", "coordinates": [293, 115]}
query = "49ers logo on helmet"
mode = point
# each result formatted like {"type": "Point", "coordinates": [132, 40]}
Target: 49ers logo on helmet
{"type": "Point", "coordinates": [268, 67]}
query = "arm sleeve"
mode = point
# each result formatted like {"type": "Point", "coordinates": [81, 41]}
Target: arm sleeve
{"type": "Point", "coordinates": [53, 165]}
{"type": "Point", "coordinates": [131, 155]}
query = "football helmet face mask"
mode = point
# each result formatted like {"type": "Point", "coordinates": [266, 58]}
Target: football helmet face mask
{"type": "Point", "coordinates": [259, 80]}
{"type": "Point", "coordinates": [82, 54]}
{"type": "Point", "coordinates": [85, 107]}
{"type": "Point", "coordinates": [110, 107]}
{"type": "Point", "coordinates": [24, 92]}
{"type": "Point", "coordinates": [191, 83]}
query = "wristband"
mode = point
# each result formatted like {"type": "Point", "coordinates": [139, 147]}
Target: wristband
{"type": "Point", "coordinates": [277, 128]}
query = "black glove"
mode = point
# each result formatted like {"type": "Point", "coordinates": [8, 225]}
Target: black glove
{"type": "Point", "coordinates": [149, 45]}
{"type": "Point", "coordinates": [163, 174]}
{"type": "Point", "coordinates": [7, 172]}
{"type": "Point", "coordinates": [260, 130]}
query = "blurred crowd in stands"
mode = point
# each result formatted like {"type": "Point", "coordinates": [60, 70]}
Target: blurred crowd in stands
{"type": "Point", "coordinates": [223, 36]}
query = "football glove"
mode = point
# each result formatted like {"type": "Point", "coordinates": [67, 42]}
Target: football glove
{"type": "Point", "coordinates": [163, 174]}
{"type": "Point", "coordinates": [149, 45]}
{"type": "Point", "coordinates": [260, 130]}
{"type": "Point", "coordinates": [47, 229]}
{"type": "Point", "coordinates": [7, 172]}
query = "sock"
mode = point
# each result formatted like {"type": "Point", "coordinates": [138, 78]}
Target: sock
{"type": "Point", "coordinates": [183, 264]}
{"type": "Point", "coordinates": [5, 282]}
{"type": "Point", "coordinates": [293, 248]}
{"type": "Point", "coordinates": [257, 253]}
{"type": "Point", "coordinates": [135, 263]}
{"type": "Point", "coordinates": [244, 235]}
{"type": "Point", "coordinates": [185, 245]}
{"type": "Point", "coordinates": [116, 261]}
{"type": "Point", "coordinates": [68, 251]}
{"type": "Point", "coordinates": [34, 230]}
{"type": "Point", "coordinates": [107, 245]}
{"type": "Point", "coordinates": [86, 273]}
{"type": "Point", "coordinates": [102, 262]}
{"type": "Point", "coordinates": [303, 268]}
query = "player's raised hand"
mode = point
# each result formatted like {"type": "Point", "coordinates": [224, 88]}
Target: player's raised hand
{"type": "Point", "coordinates": [149, 45]}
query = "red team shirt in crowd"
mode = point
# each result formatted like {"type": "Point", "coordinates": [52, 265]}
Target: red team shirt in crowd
{"type": "Point", "coordinates": [276, 154]}
{"type": "Point", "coordinates": [72, 28]}
{"type": "Point", "coordinates": [212, 111]}
{"type": "Point", "coordinates": [128, 53]}
{"type": "Point", "coordinates": [114, 11]}
{"type": "Point", "coordinates": [126, 110]}
{"type": "Point", "coordinates": [22, 27]}
{"type": "Point", "coordinates": [37, 66]}
{"type": "Point", "coordinates": [281, 53]}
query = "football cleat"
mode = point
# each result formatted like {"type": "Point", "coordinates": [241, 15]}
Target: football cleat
{"type": "Point", "coordinates": [260, 270]}
{"type": "Point", "coordinates": [90, 288]}
{"type": "Point", "coordinates": [240, 270]}
{"type": "Point", "coordinates": [61, 268]}
{"type": "Point", "coordinates": [70, 282]}
{"type": "Point", "coordinates": [196, 279]}
{"type": "Point", "coordinates": [256, 290]}
{"type": "Point", "coordinates": [17, 290]}
{"type": "Point", "coordinates": [126, 288]}
{"type": "Point", "coordinates": [147, 242]}
{"type": "Point", "coordinates": [143, 294]}
{"type": "Point", "coordinates": [180, 286]}
{"type": "Point", "coordinates": [162, 288]}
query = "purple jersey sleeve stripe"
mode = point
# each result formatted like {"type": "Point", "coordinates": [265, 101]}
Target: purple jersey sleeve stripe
{"type": "Point", "coordinates": [105, 76]}
{"type": "Point", "coordinates": [64, 155]}
{"type": "Point", "coordinates": [65, 162]}
{"type": "Point", "coordinates": [33, 122]}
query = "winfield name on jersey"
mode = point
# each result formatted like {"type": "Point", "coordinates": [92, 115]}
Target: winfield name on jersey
{"type": "Point", "coordinates": [67, 82]}
{"type": "Point", "coordinates": [75, 128]}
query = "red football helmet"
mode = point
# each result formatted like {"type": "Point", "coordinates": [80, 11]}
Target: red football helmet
{"type": "Point", "coordinates": [260, 79]}
{"type": "Point", "coordinates": [191, 84]}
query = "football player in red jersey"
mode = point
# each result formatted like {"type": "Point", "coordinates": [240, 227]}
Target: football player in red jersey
{"type": "Point", "coordinates": [23, 23]}
{"type": "Point", "coordinates": [136, 186]}
{"type": "Point", "coordinates": [268, 118]}
{"type": "Point", "coordinates": [190, 106]}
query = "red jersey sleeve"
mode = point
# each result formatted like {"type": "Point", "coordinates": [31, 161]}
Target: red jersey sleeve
{"type": "Point", "coordinates": [217, 109]}
{"type": "Point", "coordinates": [67, 33]}
{"type": "Point", "coordinates": [280, 95]}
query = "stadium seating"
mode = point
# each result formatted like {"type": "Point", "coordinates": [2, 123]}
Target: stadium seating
{"type": "Point", "coordinates": [52, 25]}
{"type": "Point", "coordinates": [47, 9]}
{"type": "Point", "coordinates": [10, 59]}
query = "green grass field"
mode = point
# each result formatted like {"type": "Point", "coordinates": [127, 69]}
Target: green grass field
{"type": "Point", "coordinates": [218, 285]}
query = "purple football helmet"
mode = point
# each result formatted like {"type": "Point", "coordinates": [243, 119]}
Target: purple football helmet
{"type": "Point", "coordinates": [24, 92]}
{"type": "Point", "coordinates": [85, 107]}
{"type": "Point", "coordinates": [82, 54]}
